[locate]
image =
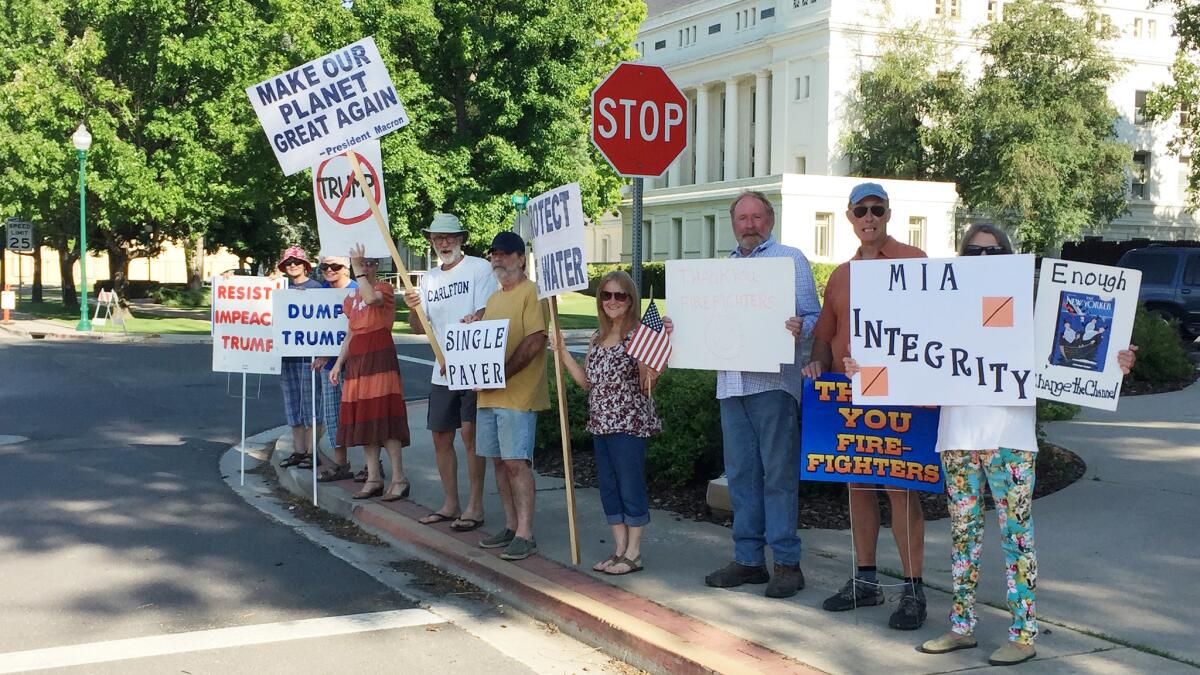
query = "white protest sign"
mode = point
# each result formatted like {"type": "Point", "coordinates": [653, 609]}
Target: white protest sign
{"type": "Point", "coordinates": [343, 211]}
{"type": "Point", "coordinates": [1084, 316]}
{"type": "Point", "coordinates": [243, 338]}
{"type": "Point", "coordinates": [327, 106]}
{"type": "Point", "coordinates": [729, 314]}
{"type": "Point", "coordinates": [556, 223]}
{"type": "Point", "coordinates": [475, 354]}
{"type": "Point", "coordinates": [310, 322]}
{"type": "Point", "coordinates": [950, 331]}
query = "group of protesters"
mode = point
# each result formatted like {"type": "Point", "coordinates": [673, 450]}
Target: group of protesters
{"type": "Point", "coordinates": [760, 420]}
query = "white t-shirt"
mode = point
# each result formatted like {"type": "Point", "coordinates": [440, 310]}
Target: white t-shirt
{"type": "Point", "coordinates": [449, 295]}
{"type": "Point", "coordinates": [987, 427]}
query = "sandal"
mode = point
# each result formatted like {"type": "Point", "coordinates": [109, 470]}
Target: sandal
{"type": "Point", "coordinates": [367, 492]}
{"type": "Point", "coordinates": [338, 472]}
{"type": "Point", "coordinates": [361, 476]}
{"type": "Point", "coordinates": [631, 566]}
{"type": "Point", "coordinates": [306, 462]}
{"type": "Point", "coordinates": [608, 562]}
{"type": "Point", "coordinates": [394, 495]}
{"type": "Point", "coordinates": [466, 524]}
{"type": "Point", "coordinates": [293, 459]}
{"type": "Point", "coordinates": [435, 518]}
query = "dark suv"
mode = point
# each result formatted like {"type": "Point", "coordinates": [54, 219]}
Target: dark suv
{"type": "Point", "coordinates": [1170, 283]}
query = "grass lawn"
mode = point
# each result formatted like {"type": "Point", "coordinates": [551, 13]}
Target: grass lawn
{"type": "Point", "coordinates": [576, 310]}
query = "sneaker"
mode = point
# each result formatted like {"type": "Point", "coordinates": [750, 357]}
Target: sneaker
{"type": "Point", "coordinates": [519, 548]}
{"type": "Point", "coordinates": [498, 540]}
{"type": "Point", "coordinates": [1011, 654]}
{"type": "Point", "coordinates": [911, 612]}
{"type": "Point", "coordinates": [856, 593]}
{"type": "Point", "coordinates": [785, 582]}
{"type": "Point", "coordinates": [948, 643]}
{"type": "Point", "coordinates": [734, 574]}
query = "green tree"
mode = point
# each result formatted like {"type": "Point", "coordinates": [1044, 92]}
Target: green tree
{"type": "Point", "coordinates": [1183, 92]}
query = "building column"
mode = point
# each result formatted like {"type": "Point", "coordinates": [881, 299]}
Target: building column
{"type": "Point", "coordinates": [780, 150]}
{"type": "Point", "coordinates": [674, 170]}
{"type": "Point", "coordinates": [762, 122]}
{"type": "Point", "coordinates": [731, 129]}
{"type": "Point", "coordinates": [701, 140]}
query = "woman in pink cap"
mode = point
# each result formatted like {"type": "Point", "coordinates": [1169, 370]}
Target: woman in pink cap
{"type": "Point", "coordinates": [295, 378]}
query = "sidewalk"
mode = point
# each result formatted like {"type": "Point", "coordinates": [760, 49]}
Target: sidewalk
{"type": "Point", "coordinates": [665, 619]}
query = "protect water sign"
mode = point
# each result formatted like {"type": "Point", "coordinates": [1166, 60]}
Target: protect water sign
{"type": "Point", "coordinates": [556, 219]}
{"type": "Point", "coordinates": [343, 212]}
{"type": "Point", "coordinates": [328, 106]}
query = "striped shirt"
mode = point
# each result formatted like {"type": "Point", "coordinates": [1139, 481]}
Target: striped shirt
{"type": "Point", "coordinates": [732, 383]}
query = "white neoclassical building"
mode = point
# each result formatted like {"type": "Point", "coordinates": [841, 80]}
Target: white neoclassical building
{"type": "Point", "coordinates": [768, 80]}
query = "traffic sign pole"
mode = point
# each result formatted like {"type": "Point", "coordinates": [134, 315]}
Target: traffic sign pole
{"type": "Point", "coordinates": [636, 266]}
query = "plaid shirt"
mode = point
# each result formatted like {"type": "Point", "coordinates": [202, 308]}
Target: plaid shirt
{"type": "Point", "coordinates": [732, 383]}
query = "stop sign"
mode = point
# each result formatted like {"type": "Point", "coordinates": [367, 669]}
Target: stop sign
{"type": "Point", "coordinates": [639, 120]}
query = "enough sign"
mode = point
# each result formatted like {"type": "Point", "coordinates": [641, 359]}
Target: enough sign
{"type": "Point", "coordinates": [639, 120]}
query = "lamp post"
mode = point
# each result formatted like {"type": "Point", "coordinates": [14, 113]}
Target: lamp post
{"type": "Point", "coordinates": [82, 140]}
{"type": "Point", "coordinates": [518, 203]}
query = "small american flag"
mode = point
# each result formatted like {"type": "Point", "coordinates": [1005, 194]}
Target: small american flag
{"type": "Point", "coordinates": [650, 343]}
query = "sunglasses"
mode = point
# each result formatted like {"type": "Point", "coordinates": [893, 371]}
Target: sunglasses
{"type": "Point", "coordinates": [619, 296]}
{"type": "Point", "coordinates": [877, 210]}
{"type": "Point", "coordinates": [336, 267]}
{"type": "Point", "coordinates": [293, 261]}
{"type": "Point", "coordinates": [973, 249]}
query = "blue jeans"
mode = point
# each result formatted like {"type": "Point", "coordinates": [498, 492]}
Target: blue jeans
{"type": "Point", "coordinates": [762, 461]}
{"type": "Point", "coordinates": [621, 472]}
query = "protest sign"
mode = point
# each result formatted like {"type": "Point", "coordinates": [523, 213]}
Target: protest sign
{"type": "Point", "coordinates": [475, 354]}
{"type": "Point", "coordinates": [310, 322]}
{"type": "Point", "coordinates": [342, 208]}
{"type": "Point", "coordinates": [952, 331]}
{"type": "Point", "coordinates": [846, 443]}
{"type": "Point", "coordinates": [1084, 316]}
{"type": "Point", "coordinates": [243, 337]}
{"type": "Point", "coordinates": [729, 314]}
{"type": "Point", "coordinates": [327, 106]}
{"type": "Point", "coordinates": [556, 224]}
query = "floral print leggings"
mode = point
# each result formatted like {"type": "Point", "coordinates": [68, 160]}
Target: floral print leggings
{"type": "Point", "coordinates": [1010, 474]}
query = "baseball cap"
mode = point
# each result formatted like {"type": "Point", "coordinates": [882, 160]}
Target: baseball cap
{"type": "Point", "coordinates": [864, 190]}
{"type": "Point", "coordinates": [508, 242]}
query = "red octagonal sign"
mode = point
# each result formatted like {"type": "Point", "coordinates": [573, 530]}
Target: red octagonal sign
{"type": "Point", "coordinates": [639, 120]}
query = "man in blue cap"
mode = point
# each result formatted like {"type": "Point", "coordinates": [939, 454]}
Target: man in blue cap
{"type": "Point", "coordinates": [869, 212]}
{"type": "Point", "coordinates": [459, 286]}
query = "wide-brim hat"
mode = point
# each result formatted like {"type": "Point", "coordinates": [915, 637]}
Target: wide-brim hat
{"type": "Point", "coordinates": [297, 253]}
{"type": "Point", "coordinates": [444, 223]}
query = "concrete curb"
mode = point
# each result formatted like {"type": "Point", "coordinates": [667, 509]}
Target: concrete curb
{"type": "Point", "coordinates": [626, 626]}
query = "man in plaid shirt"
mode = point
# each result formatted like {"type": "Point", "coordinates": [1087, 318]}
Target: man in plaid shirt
{"type": "Point", "coordinates": [760, 425]}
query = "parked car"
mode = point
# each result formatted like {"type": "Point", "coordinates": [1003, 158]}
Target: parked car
{"type": "Point", "coordinates": [1170, 283]}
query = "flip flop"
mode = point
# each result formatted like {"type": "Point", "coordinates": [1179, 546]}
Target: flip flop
{"type": "Point", "coordinates": [435, 518]}
{"type": "Point", "coordinates": [466, 524]}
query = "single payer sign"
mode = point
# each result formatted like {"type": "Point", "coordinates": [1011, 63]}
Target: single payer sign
{"type": "Point", "coordinates": [327, 106]}
{"type": "Point", "coordinates": [243, 337]}
{"type": "Point", "coordinates": [343, 211]}
{"type": "Point", "coordinates": [952, 331]}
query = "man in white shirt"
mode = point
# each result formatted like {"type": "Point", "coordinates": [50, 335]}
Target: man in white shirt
{"type": "Point", "coordinates": [455, 289]}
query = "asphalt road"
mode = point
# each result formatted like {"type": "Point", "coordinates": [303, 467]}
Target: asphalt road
{"type": "Point", "coordinates": [115, 524]}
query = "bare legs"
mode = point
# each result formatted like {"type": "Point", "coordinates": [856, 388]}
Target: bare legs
{"type": "Point", "coordinates": [909, 532]}
{"type": "Point", "coordinates": [514, 479]}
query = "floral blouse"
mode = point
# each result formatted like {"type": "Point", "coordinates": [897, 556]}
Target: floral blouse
{"type": "Point", "coordinates": [616, 404]}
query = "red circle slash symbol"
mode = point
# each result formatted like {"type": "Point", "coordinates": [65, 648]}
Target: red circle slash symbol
{"type": "Point", "coordinates": [350, 184]}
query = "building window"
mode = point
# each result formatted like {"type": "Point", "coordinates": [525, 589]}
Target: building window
{"type": "Point", "coordinates": [687, 36]}
{"type": "Point", "coordinates": [803, 87]}
{"type": "Point", "coordinates": [710, 236]}
{"type": "Point", "coordinates": [1151, 29]}
{"type": "Point", "coordinates": [676, 238]}
{"type": "Point", "coordinates": [767, 13]}
{"type": "Point", "coordinates": [916, 231]}
{"type": "Point", "coordinates": [995, 11]}
{"type": "Point", "coordinates": [801, 164]}
{"type": "Point", "coordinates": [715, 28]}
{"type": "Point", "coordinates": [1139, 107]}
{"type": "Point", "coordinates": [1185, 173]}
{"type": "Point", "coordinates": [647, 241]}
{"type": "Point", "coordinates": [948, 8]}
{"type": "Point", "coordinates": [1141, 170]}
{"type": "Point", "coordinates": [1185, 114]}
{"type": "Point", "coordinates": [661, 44]}
{"type": "Point", "coordinates": [605, 248]}
{"type": "Point", "coordinates": [822, 228]}
{"type": "Point", "coordinates": [1137, 28]}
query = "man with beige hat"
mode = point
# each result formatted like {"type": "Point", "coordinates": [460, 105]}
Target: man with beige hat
{"type": "Point", "coordinates": [456, 288]}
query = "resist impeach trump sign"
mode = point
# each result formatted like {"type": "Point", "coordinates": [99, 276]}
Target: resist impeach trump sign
{"type": "Point", "coordinates": [327, 106]}
{"type": "Point", "coordinates": [952, 331]}
{"type": "Point", "coordinates": [242, 318]}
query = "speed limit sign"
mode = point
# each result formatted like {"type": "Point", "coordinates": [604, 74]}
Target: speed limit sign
{"type": "Point", "coordinates": [18, 235]}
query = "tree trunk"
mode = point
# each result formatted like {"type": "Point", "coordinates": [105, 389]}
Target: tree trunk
{"type": "Point", "coordinates": [37, 273]}
{"type": "Point", "coordinates": [118, 265]}
{"type": "Point", "coordinates": [66, 269]}
{"type": "Point", "coordinates": [193, 251]}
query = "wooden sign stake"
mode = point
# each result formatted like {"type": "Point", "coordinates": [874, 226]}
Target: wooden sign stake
{"type": "Point", "coordinates": [565, 429]}
{"type": "Point", "coordinates": [387, 236]}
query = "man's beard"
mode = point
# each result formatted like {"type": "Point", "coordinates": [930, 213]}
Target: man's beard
{"type": "Point", "coordinates": [450, 258]}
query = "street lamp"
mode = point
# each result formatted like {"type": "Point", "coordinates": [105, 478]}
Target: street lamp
{"type": "Point", "coordinates": [518, 203]}
{"type": "Point", "coordinates": [82, 141]}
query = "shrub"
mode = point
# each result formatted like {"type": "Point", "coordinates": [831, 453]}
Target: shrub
{"type": "Point", "coordinates": [821, 272]}
{"type": "Point", "coordinates": [654, 276]}
{"type": "Point", "coordinates": [1161, 357]}
{"type": "Point", "coordinates": [688, 450]}
{"type": "Point", "coordinates": [1056, 411]}
{"type": "Point", "coordinates": [134, 288]}
{"type": "Point", "coordinates": [180, 296]}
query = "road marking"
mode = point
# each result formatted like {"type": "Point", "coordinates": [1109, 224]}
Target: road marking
{"type": "Point", "coordinates": [414, 359]}
{"type": "Point", "coordinates": [220, 638]}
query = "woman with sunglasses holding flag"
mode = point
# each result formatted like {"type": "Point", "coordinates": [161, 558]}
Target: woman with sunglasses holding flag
{"type": "Point", "coordinates": [621, 417]}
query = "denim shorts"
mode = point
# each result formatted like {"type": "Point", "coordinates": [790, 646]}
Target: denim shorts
{"type": "Point", "coordinates": [505, 433]}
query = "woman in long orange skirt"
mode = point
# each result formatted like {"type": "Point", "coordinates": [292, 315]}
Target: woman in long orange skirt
{"type": "Point", "coordinates": [373, 413]}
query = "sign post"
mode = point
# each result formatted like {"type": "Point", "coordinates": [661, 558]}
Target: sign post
{"type": "Point", "coordinates": [639, 123]}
